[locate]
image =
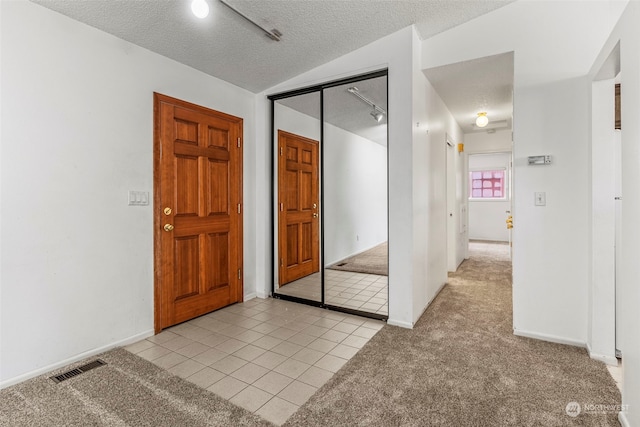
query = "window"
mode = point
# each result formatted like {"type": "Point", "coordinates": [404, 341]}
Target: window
{"type": "Point", "coordinates": [488, 184]}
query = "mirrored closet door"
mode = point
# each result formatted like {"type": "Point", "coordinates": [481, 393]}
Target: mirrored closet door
{"type": "Point", "coordinates": [330, 195]}
{"type": "Point", "coordinates": [297, 196]}
{"type": "Point", "coordinates": [355, 195]}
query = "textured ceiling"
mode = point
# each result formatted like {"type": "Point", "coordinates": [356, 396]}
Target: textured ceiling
{"type": "Point", "coordinates": [344, 110]}
{"type": "Point", "coordinates": [226, 46]}
{"type": "Point", "coordinates": [470, 87]}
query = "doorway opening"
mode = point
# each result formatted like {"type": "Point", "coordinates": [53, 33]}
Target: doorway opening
{"type": "Point", "coordinates": [607, 205]}
{"type": "Point", "coordinates": [490, 197]}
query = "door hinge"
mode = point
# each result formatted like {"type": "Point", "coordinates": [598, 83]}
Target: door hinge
{"type": "Point", "coordinates": [238, 142]}
{"type": "Point", "coordinates": [281, 207]}
{"type": "Point", "coordinates": [239, 274]}
{"type": "Point", "coordinates": [281, 263]}
{"type": "Point", "coordinates": [239, 209]}
{"type": "Point", "coordinates": [281, 151]}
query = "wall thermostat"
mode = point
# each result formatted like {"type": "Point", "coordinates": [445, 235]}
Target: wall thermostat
{"type": "Point", "coordinates": [539, 160]}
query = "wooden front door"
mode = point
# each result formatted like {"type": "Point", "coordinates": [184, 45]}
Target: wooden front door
{"type": "Point", "coordinates": [298, 225]}
{"type": "Point", "coordinates": [197, 203]}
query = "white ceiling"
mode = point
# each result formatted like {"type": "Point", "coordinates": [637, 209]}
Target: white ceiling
{"type": "Point", "coordinates": [480, 85]}
{"type": "Point", "coordinates": [226, 46]}
{"type": "Point", "coordinates": [344, 110]}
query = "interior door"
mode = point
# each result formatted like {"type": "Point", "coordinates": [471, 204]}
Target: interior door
{"type": "Point", "coordinates": [298, 224]}
{"type": "Point", "coordinates": [198, 219]}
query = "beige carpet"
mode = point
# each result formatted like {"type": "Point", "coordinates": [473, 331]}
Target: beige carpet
{"type": "Point", "coordinates": [128, 391]}
{"type": "Point", "coordinates": [373, 261]}
{"type": "Point", "coordinates": [462, 366]}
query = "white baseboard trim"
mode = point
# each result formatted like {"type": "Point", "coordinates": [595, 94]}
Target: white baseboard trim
{"type": "Point", "coordinates": [263, 295]}
{"type": "Point", "coordinates": [76, 358]}
{"type": "Point", "coordinates": [550, 338]}
{"type": "Point", "coordinates": [607, 359]}
{"type": "Point", "coordinates": [409, 325]}
{"type": "Point", "coordinates": [400, 323]}
{"type": "Point", "coordinates": [250, 296]}
{"type": "Point", "coordinates": [622, 417]}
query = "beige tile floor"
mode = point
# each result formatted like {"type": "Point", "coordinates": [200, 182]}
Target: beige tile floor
{"type": "Point", "coordinates": [358, 291]}
{"type": "Point", "coordinates": [268, 356]}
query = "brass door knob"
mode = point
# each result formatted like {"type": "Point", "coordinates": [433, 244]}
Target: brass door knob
{"type": "Point", "coordinates": [167, 211]}
{"type": "Point", "coordinates": [168, 227]}
{"type": "Point", "coordinates": [315, 215]}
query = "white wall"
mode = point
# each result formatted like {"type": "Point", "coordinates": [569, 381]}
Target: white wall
{"type": "Point", "coordinates": [550, 116]}
{"type": "Point", "coordinates": [355, 194]}
{"type": "Point", "coordinates": [484, 142]}
{"type": "Point", "coordinates": [77, 134]}
{"type": "Point", "coordinates": [293, 121]}
{"type": "Point", "coordinates": [487, 217]}
{"type": "Point", "coordinates": [436, 124]}
{"type": "Point", "coordinates": [416, 215]}
{"type": "Point", "coordinates": [627, 33]}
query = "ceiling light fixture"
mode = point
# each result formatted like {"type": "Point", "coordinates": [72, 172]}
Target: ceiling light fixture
{"type": "Point", "coordinates": [200, 8]}
{"type": "Point", "coordinates": [272, 34]}
{"type": "Point", "coordinates": [377, 113]}
{"type": "Point", "coordinates": [482, 120]}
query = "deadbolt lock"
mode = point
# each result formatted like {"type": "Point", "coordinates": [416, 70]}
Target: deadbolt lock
{"type": "Point", "coordinates": [315, 206]}
{"type": "Point", "coordinates": [168, 227]}
{"type": "Point", "coordinates": [167, 211]}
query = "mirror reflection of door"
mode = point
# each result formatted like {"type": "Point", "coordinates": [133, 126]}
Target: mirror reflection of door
{"type": "Point", "coordinates": [297, 193]}
{"type": "Point", "coordinates": [355, 196]}
{"type": "Point", "coordinates": [298, 229]}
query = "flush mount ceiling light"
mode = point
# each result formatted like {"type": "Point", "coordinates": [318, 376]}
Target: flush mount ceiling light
{"type": "Point", "coordinates": [272, 34]}
{"type": "Point", "coordinates": [377, 113]}
{"type": "Point", "coordinates": [200, 8]}
{"type": "Point", "coordinates": [482, 120]}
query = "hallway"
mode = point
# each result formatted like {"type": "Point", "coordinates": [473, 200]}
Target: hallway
{"type": "Point", "coordinates": [462, 365]}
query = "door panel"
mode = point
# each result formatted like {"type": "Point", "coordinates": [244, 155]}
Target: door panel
{"type": "Point", "coordinates": [298, 216]}
{"type": "Point", "coordinates": [198, 220]}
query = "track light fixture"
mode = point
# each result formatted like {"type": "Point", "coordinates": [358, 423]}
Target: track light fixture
{"type": "Point", "coordinates": [377, 113]}
{"type": "Point", "coordinates": [272, 34]}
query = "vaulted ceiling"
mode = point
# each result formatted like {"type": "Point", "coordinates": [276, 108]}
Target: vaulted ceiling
{"type": "Point", "coordinates": [226, 46]}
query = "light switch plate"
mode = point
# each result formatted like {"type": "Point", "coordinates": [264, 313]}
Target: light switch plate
{"type": "Point", "coordinates": [540, 198]}
{"type": "Point", "coordinates": [138, 198]}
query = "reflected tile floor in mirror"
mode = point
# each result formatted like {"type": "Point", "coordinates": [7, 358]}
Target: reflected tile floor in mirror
{"type": "Point", "coordinates": [308, 287]}
{"type": "Point", "coordinates": [358, 291]}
